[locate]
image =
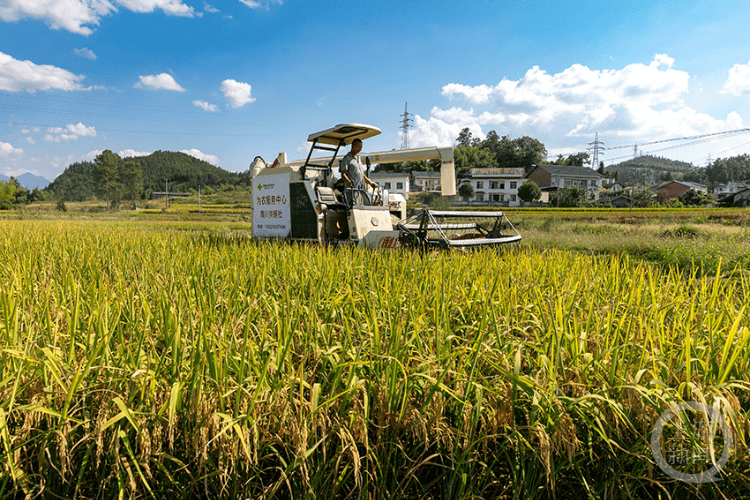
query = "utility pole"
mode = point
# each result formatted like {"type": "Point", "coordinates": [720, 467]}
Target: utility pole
{"type": "Point", "coordinates": [166, 194]}
{"type": "Point", "coordinates": [597, 146]}
{"type": "Point", "coordinates": [405, 125]}
{"type": "Point", "coordinates": [199, 198]}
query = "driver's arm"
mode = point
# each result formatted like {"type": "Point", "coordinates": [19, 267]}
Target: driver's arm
{"type": "Point", "coordinates": [347, 179]}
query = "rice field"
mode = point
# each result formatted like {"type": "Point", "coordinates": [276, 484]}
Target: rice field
{"type": "Point", "coordinates": [147, 360]}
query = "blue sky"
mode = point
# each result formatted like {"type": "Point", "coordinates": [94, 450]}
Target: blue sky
{"type": "Point", "coordinates": [226, 81]}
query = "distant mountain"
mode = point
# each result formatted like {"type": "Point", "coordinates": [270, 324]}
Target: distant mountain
{"type": "Point", "coordinates": [652, 170]}
{"type": "Point", "coordinates": [29, 181]}
{"type": "Point", "coordinates": [184, 172]}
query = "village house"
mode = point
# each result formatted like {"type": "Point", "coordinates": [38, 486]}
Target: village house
{"type": "Point", "coordinates": [394, 182]}
{"type": "Point", "coordinates": [737, 199]}
{"type": "Point", "coordinates": [618, 201]}
{"type": "Point", "coordinates": [425, 182]}
{"type": "Point", "coordinates": [553, 177]}
{"type": "Point", "coordinates": [496, 185]}
{"type": "Point", "coordinates": [668, 190]}
{"type": "Point", "coordinates": [611, 187]}
{"type": "Point", "coordinates": [724, 190]}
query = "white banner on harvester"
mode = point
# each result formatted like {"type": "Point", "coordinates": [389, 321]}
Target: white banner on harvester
{"type": "Point", "coordinates": [271, 213]}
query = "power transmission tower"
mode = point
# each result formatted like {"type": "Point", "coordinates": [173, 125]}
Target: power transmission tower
{"type": "Point", "coordinates": [405, 126]}
{"type": "Point", "coordinates": [597, 147]}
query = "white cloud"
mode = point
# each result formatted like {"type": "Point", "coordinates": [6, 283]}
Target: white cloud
{"type": "Point", "coordinates": [436, 132]}
{"type": "Point", "coordinates": [738, 82]}
{"type": "Point", "coordinates": [261, 4]}
{"type": "Point", "coordinates": [129, 153]}
{"type": "Point", "coordinates": [25, 76]}
{"type": "Point", "coordinates": [443, 127]}
{"type": "Point", "coordinates": [212, 159]}
{"type": "Point", "coordinates": [85, 52]}
{"type": "Point", "coordinates": [210, 8]}
{"type": "Point", "coordinates": [7, 149]}
{"type": "Point", "coordinates": [477, 95]}
{"type": "Point", "coordinates": [638, 100]}
{"type": "Point", "coordinates": [206, 106]}
{"type": "Point", "coordinates": [27, 132]}
{"type": "Point", "coordinates": [170, 7]}
{"type": "Point", "coordinates": [70, 15]}
{"type": "Point", "coordinates": [17, 172]}
{"type": "Point", "coordinates": [70, 132]}
{"type": "Point", "coordinates": [237, 93]}
{"type": "Point", "coordinates": [161, 81]}
{"type": "Point", "coordinates": [91, 155]}
{"type": "Point", "coordinates": [79, 16]}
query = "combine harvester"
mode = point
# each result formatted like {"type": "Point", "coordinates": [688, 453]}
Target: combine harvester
{"type": "Point", "coordinates": [301, 201]}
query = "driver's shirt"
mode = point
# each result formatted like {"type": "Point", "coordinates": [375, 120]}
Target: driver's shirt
{"type": "Point", "coordinates": [354, 170]}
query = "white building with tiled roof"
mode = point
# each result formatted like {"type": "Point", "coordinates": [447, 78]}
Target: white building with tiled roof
{"type": "Point", "coordinates": [553, 177]}
{"type": "Point", "coordinates": [496, 185]}
{"type": "Point", "coordinates": [394, 182]}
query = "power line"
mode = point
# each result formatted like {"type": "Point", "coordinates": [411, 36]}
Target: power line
{"type": "Point", "coordinates": [141, 131]}
{"type": "Point", "coordinates": [732, 132]}
{"type": "Point", "coordinates": [124, 110]}
{"type": "Point", "coordinates": [708, 159]}
{"type": "Point", "coordinates": [695, 139]}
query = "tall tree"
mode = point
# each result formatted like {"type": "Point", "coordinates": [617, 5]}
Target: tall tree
{"type": "Point", "coordinates": [468, 157]}
{"type": "Point", "coordinates": [522, 152]}
{"type": "Point", "coordinates": [106, 177]}
{"type": "Point", "coordinates": [132, 180]}
{"type": "Point", "coordinates": [529, 151]}
{"type": "Point", "coordinates": [114, 179]}
{"type": "Point", "coordinates": [466, 139]}
{"type": "Point", "coordinates": [7, 194]}
{"type": "Point", "coordinates": [575, 160]}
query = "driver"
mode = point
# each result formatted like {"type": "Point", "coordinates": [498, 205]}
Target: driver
{"type": "Point", "coordinates": [354, 174]}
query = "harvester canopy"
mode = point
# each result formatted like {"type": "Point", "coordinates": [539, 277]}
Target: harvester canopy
{"type": "Point", "coordinates": [344, 134]}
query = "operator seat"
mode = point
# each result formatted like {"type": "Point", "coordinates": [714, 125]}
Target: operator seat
{"type": "Point", "coordinates": [335, 225]}
{"type": "Point", "coordinates": [327, 197]}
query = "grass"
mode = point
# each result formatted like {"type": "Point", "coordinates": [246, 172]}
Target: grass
{"type": "Point", "coordinates": [180, 359]}
{"type": "Point", "coordinates": [690, 240]}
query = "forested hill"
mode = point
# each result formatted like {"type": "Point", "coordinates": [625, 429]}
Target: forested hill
{"type": "Point", "coordinates": [652, 169]}
{"type": "Point", "coordinates": [184, 172]}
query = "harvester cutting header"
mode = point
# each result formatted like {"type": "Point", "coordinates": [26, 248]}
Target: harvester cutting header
{"type": "Point", "coordinates": [303, 200]}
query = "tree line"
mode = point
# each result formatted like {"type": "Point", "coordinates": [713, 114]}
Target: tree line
{"type": "Point", "coordinates": [494, 151]}
{"type": "Point", "coordinates": [12, 193]}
